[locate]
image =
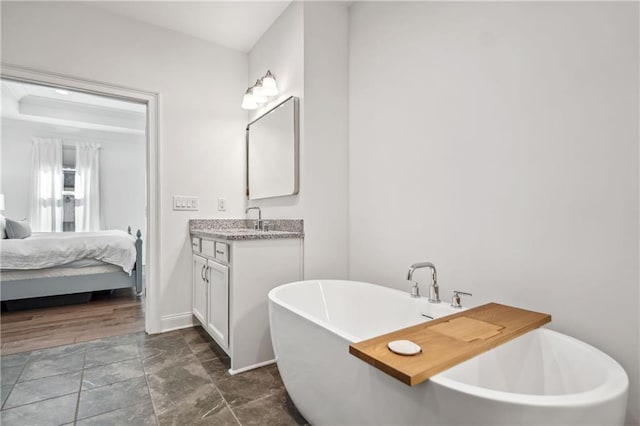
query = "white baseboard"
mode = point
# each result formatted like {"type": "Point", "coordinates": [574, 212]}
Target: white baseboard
{"type": "Point", "coordinates": [176, 322]}
{"type": "Point", "coordinates": [251, 367]}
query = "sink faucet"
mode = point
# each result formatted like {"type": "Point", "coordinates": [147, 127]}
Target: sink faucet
{"type": "Point", "coordinates": [258, 223]}
{"type": "Point", "coordinates": [434, 290]}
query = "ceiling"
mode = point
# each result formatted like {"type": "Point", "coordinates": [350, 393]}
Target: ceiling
{"type": "Point", "coordinates": [234, 24]}
{"type": "Point", "coordinates": [54, 106]}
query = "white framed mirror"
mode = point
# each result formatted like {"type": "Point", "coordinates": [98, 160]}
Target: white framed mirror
{"type": "Point", "coordinates": [272, 152]}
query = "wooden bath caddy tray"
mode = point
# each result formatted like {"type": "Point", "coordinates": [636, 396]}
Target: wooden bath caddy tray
{"type": "Point", "coordinates": [448, 341]}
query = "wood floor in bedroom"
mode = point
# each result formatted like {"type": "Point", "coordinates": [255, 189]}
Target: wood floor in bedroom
{"type": "Point", "coordinates": [116, 314]}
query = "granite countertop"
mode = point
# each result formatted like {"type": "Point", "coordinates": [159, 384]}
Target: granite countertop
{"type": "Point", "coordinates": [242, 229]}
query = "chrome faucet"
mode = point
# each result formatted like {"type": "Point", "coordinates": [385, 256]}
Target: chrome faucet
{"type": "Point", "coordinates": [258, 224]}
{"type": "Point", "coordinates": [434, 290]}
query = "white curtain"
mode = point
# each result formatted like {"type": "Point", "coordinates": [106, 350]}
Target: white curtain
{"type": "Point", "coordinates": [87, 187]}
{"type": "Point", "coordinates": [46, 185]}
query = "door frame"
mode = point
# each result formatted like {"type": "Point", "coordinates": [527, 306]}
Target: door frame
{"type": "Point", "coordinates": [153, 193]}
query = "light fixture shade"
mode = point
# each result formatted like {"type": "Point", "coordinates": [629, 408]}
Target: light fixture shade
{"type": "Point", "coordinates": [258, 96]}
{"type": "Point", "coordinates": [269, 86]}
{"type": "Point", "coordinates": [247, 100]}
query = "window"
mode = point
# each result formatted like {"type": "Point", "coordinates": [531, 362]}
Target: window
{"type": "Point", "coordinates": [69, 200]}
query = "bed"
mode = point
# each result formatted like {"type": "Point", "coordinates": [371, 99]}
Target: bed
{"type": "Point", "coordinates": [62, 263]}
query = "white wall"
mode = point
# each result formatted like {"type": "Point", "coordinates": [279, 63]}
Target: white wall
{"type": "Point", "coordinates": [500, 141]}
{"type": "Point", "coordinates": [122, 182]}
{"type": "Point", "coordinates": [122, 170]}
{"type": "Point", "coordinates": [281, 50]}
{"type": "Point", "coordinates": [201, 122]}
{"type": "Point", "coordinates": [307, 51]}
{"type": "Point", "coordinates": [326, 70]}
{"type": "Point", "coordinates": [15, 168]}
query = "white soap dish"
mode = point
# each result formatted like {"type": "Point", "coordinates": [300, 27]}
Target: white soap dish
{"type": "Point", "coordinates": [404, 347]}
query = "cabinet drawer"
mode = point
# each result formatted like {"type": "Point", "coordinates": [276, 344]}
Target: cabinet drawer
{"type": "Point", "coordinates": [222, 252]}
{"type": "Point", "coordinates": [208, 248]}
{"type": "Point", "coordinates": [195, 244]}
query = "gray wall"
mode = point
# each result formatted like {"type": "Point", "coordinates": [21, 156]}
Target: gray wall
{"type": "Point", "coordinates": [500, 141]}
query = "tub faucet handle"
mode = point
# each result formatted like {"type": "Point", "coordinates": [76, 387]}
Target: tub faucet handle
{"type": "Point", "coordinates": [456, 299]}
{"type": "Point", "coordinates": [415, 290]}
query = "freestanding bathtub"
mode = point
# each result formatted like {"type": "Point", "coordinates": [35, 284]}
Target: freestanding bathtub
{"type": "Point", "coordinates": [540, 378]}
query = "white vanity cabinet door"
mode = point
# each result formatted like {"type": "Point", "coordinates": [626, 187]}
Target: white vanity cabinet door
{"type": "Point", "coordinates": [218, 314]}
{"type": "Point", "coordinates": [199, 302]}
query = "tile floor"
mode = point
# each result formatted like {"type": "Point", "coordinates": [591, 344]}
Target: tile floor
{"type": "Point", "coordinates": [176, 378]}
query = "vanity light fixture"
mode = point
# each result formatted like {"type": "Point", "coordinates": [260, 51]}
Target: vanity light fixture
{"type": "Point", "coordinates": [247, 100]}
{"type": "Point", "coordinates": [259, 93]}
{"type": "Point", "coordinates": [62, 91]}
{"type": "Point", "coordinates": [269, 86]}
{"type": "Point", "coordinates": [258, 96]}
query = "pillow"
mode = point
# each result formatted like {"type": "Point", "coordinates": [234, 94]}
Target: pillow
{"type": "Point", "coordinates": [3, 223]}
{"type": "Point", "coordinates": [17, 230]}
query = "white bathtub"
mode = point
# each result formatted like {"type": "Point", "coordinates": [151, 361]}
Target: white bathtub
{"type": "Point", "coordinates": [540, 378]}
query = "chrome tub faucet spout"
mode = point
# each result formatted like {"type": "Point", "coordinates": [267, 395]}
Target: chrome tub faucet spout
{"type": "Point", "coordinates": [434, 290]}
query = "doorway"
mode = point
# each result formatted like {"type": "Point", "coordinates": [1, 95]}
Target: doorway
{"type": "Point", "coordinates": [148, 198]}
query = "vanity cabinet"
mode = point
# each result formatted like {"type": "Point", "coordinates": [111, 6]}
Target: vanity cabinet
{"type": "Point", "coordinates": [217, 323]}
{"type": "Point", "coordinates": [231, 282]}
{"type": "Point", "coordinates": [199, 301]}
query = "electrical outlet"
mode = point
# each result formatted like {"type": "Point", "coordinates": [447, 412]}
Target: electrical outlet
{"type": "Point", "coordinates": [183, 202]}
{"type": "Point", "coordinates": [222, 204]}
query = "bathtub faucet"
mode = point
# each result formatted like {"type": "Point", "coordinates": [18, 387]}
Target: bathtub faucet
{"type": "Point", "coordinates": [434, 290]}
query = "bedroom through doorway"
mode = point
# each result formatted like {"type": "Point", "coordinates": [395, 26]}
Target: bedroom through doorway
{"type": "Point", "coordinates": [73, 199]}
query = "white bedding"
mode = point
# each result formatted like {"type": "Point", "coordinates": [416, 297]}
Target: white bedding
{"type": "Point", "coordinates": [49, 249]}
{"type": "Point", "coordinates": [69, 270]}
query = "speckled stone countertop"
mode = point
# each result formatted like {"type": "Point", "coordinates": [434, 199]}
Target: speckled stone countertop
{"type": "Point", "coordinates": [242, 229]}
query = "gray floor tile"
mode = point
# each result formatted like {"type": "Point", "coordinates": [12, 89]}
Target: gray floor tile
{"type": "Point", "coordinates": [159, 346]}
{"type": "Point", "coordinates": [14, 360]}
{"type": "Point", "coordinates": [112, 397]}
{"type": "Point", "coordinates": [194, 335]}
{"type": "Point", "coordinates": [109, 342]}
{"type": "Point", "coordinates": [103, 356]}
{"type": "Point", "coordinates": [182, 367]}
{"type": "Point", "coordinates": [52, 365]}
{"type": "Point", "coordinates": [216, 369]}
{"type": "Point", "coordinates": [275, 409]}
{"type": "Point", "coordinates": [112, 373]}
{"type": "Point", "coordinates": [138, 415]}
{"type": "Point", "coordinates": [9, 375]}
{"type": "Point", "coordinates": [218, 417]}
{"type": "Point", "coordinates": [4, 393]}
{"type": "Point", "coordinates": [204, 351]}
{"type": "Point", "coordinates": [55, 411]}
{"type": "Point", "coordinates": [41, 389]}
{"type": "Point", "coordinates": [58, 351]}
{"type": "Point", "coordinates": [249, 386]}
{"type": "Point", "coordinates": [168, 358]}
{"type": "Point", "coordinates": [182, 385]}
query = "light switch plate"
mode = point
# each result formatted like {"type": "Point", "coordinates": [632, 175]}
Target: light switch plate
{"type": "Point", "coordinates": [222, 204]}
{"type": "Point", "coordinates": [184, 202]}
